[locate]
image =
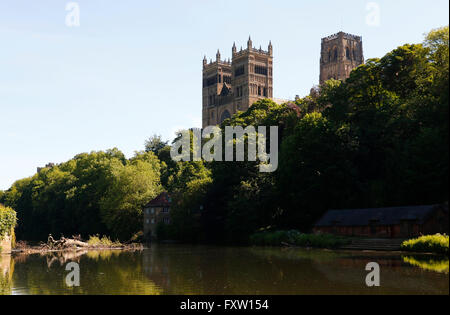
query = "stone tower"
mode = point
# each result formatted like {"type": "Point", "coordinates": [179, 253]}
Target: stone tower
{"type": "Point", "coordinates": [340, 54]}
{"type": "Point", "coordinates": [231, 86]}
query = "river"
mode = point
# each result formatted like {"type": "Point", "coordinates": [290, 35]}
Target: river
{"type": "Point", "coordinates": [183, 269]}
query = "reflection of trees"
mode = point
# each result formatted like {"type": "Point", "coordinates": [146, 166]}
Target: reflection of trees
{"type": "Point", "coordinates": [219, 270]}
{"type": "Point", "coordinates": [211, 270]}
{"type": "Point", "coordinates": [6, 272]}
{"type": "Point", "coordinates": [101, 272]}
{"type": "Point", "coordinates": [431, 264]}
{"type": "Point", "coordinates": [175, 269]}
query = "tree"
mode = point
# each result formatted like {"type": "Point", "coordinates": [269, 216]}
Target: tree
{"type": "Point", "coordinates": [155, 144]}
{"type": "Point", "coordinates": [133, 185]}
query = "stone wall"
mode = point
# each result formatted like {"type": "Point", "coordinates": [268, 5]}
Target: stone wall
{"type": "Point", "coordinates": [5, 245]}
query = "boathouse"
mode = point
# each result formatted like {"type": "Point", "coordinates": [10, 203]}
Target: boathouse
{"type": "Point", "coordinates": [396, 222]}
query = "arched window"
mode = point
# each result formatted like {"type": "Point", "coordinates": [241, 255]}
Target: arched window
{"type": "Point", "coordinates": [329, 55]}
{"type": "Point", "coordinates": [347, 53]}
{"type": "Point", "coordinates": [335, 54]}
{"type": "Point", "coordinates": [225, 115]}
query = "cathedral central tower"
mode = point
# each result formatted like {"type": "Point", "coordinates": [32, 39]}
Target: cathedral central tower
{"type": "Point", "coordinates": [340, 54]}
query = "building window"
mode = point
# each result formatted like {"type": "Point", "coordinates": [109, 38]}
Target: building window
{"type": "Point", "coordinates": [166, 220]}
{"type": "Point", "coordinates": [211, 81]}
{"type": "Point", "coordinates": [147, 210]}
{"type": "Point", "coordinates": [261, 70]}
{"type": "Point", "coordinates": [153, 210]}
{"type": "Point", "coordinates": [239, 71]}
{"type": "Point", "coordinates": [153, 221]}
{"type": "Point", "coordinates": [148, 221]}
{"type": "Point", "coordinates": [347, 53]}
{"type": "Point", "coordinates": [335, 54]}
{"type": "Point", "coordinates": [165, 210]}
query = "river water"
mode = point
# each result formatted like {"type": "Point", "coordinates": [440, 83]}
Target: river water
{"type": "Point", "coordinates": [182, 269]}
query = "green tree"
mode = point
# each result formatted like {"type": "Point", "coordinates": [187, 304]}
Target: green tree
{"type": "Point", "coordinates": [155, 144]}
{"type": "Point", "coordinates": [132, 186]}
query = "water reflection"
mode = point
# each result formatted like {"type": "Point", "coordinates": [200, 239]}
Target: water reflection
{"type": "Point", "coordinates": [222, 270]}
{"type": "Point", "coordinates": [440, 265]}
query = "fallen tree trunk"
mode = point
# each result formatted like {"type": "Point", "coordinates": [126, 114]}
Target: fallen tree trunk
{"type": "Point", "coordinates": [71, 243]}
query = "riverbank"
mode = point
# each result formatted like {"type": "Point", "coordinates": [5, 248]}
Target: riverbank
{"type": "Point", "coordinates": [295, 238]}
{"type": "Point", "coordinates": [431, 244]}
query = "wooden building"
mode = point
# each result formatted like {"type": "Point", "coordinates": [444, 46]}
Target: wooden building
{"type": "Point", "coordinates": [398, 222]}
{"type": "Point", "coordinates": [155, 212]}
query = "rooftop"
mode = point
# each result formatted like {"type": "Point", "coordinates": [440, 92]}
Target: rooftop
{"type": "Point", "coordinates": [162, 200]}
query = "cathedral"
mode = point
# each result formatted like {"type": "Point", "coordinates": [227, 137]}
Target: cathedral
{"type": "Point", "coordinates": [234, 85]}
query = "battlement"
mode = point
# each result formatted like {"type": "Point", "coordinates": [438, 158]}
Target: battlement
{"type": "Point", "coordinates": [213, 64]}
{"type": "Point", "coordinates": [243, 52]}
{"type": "Point", "coordinates": [344, 35]}
{"type": "Point", "coordinates": [236, 53]}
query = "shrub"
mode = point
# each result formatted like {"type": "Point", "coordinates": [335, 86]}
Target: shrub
{"type": "Point", "coordinates": [437, 244]}
{"type": "Point", "coordinates": [293, 237]}
{"type": "Point", "coordinates": [105, 242]}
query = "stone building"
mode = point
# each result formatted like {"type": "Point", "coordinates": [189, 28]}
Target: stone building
{"type": "Point", "coordinates": [340, 54]}
{"type": "Point", "coordinates": [155, 212]}
{"type": "Point", "coordinates": [234, 85]}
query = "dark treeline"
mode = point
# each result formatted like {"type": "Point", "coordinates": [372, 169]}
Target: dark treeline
{"type": "Point", "coordinates": [378, 139]}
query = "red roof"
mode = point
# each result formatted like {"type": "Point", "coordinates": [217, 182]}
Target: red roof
{"type": "Point", "coordinates": [163, 200]}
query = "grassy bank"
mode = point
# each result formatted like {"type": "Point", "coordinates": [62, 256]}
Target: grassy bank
{"type": "Point", "coordinates": [437, 244]}
{"type": "Point", "coordinates": [295, 238]}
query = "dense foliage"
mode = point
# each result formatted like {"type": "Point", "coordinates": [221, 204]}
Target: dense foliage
{"type": "Point", "coordinates": [295, 238]}
{"type": "Point", "coordinates": [429, 244]}
{"type": "Point", "coordinates": [378, 139]}
{"type": "Point", "coordinates": [95, 193]}
{"type": "Point", "coordinates": [8, 221]}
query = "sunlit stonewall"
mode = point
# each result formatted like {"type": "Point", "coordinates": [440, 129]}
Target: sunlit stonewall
{"type": "Point", "coordinates": [235, 137]}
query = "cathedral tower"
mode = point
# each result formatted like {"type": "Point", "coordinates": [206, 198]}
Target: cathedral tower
{"type": "Point", "coordinates": [340, 54]}
{"type": "Point", "coordinates": [231, 86]}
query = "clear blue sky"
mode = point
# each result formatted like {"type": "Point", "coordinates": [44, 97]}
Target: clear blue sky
{"type": "Point", "coordinates": [133, 68]}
